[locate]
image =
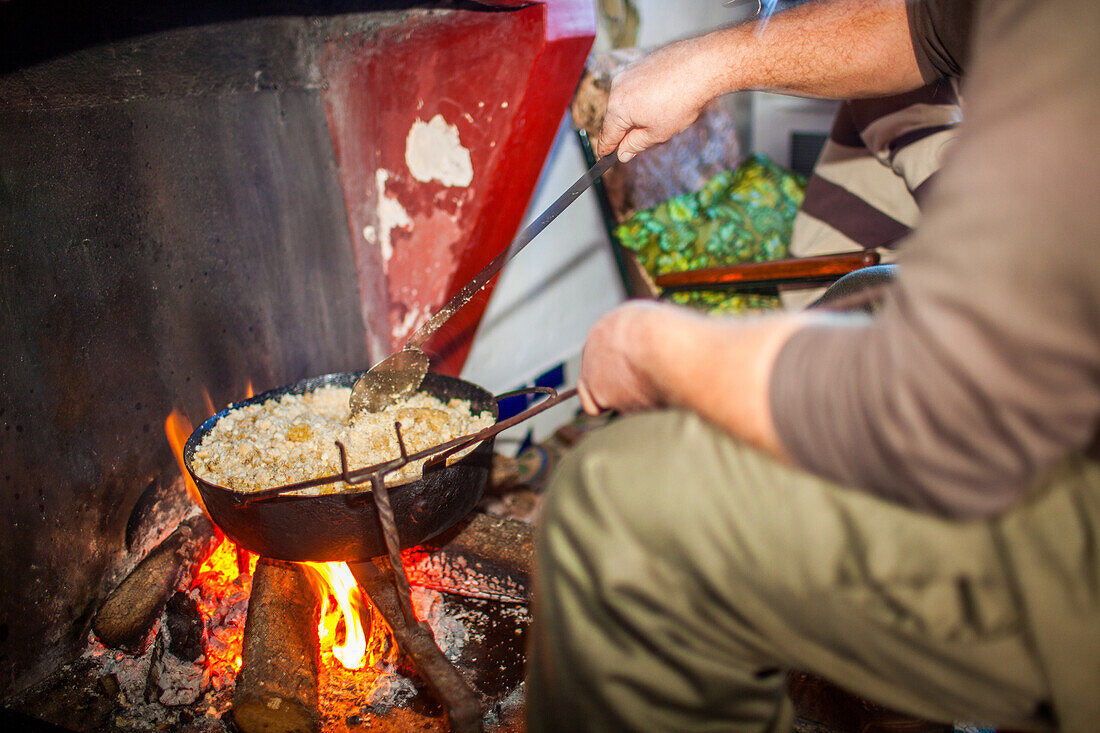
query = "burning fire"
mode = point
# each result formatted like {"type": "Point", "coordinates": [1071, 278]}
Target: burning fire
{"type": "Point", "coordinates": [229, 567]}
{"type": "Point", "coordinates": [334, 582]}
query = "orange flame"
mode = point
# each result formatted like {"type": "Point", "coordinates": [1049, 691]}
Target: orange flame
{"type": "Point", "coordinates": [334, 579]}
{"type": "Point", "coordinates": [178, 429]}
{"type": "Point", "coordinates": [210, 409]}
{"type": "Point", "coordinates": [224, 563]}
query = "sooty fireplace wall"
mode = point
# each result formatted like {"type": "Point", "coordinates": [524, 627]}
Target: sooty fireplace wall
{"type": "Point", "coordinates": [190, 203]}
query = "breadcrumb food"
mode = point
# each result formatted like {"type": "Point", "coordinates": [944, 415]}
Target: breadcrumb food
{"type": "Point", "coordinates": [293, 438]}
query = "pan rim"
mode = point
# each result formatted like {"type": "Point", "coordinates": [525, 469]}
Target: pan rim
{"type": "Point", "coordinates": [303, 386]}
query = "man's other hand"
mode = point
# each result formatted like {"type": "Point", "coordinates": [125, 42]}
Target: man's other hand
{"type": "Point", "coordinates": [645, 355]}
{"type": "Point", "coordinates": [612, 375]}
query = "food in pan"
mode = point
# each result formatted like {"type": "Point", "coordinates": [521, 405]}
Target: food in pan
{"type": "Point", "coordinates": [293, 438]}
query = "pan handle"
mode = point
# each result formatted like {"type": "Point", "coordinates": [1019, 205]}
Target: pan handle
{"type": "Point", "coordinates": [446, 449]}
{"type": "Point", "coordinates": [526, 391]}
{"type": "Point", "coordinates": [556, 398]}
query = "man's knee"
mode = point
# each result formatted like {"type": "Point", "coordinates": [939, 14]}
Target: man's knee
{"type": "Point", "coordinates": [628, 546]}
{"type": "Point", "coordinates": [626, 484]}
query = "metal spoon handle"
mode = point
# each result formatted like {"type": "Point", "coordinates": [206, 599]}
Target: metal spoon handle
{"type": "Point", "coordinates": [522, 240]}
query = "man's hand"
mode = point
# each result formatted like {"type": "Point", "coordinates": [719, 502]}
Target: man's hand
{"type": "Point", "coordinates": [839, 49]}
{"type": "Point", "coordinates": [645, 355]}
{"type": "Point", "coordinates": [612, 377]}
{"type": "Point", "coordinates": [656, 97]}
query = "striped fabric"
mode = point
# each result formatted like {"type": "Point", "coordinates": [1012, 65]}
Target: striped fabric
{"type": "Point", "coordinates": [880, 158]}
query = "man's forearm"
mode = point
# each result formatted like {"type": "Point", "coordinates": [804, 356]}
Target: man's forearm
{"type": "Point", "coordinates": [826, 48]}
{"type": "Point", "coordinates": [645, 355]}
{"type": "Point", "coordinates": [838, 49]}
{"type": "Point", "coordinates": [721, 369]}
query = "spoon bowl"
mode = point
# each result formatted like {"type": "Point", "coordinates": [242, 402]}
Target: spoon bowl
{"type": "Point", "coordinates": [394, 378]}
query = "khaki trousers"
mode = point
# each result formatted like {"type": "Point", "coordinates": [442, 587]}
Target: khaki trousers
{"type": "Point", "coordinates": [680, 574]}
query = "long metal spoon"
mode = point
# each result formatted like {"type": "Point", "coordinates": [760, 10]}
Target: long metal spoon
{"type": "Point", "coordinates": [400, 374]}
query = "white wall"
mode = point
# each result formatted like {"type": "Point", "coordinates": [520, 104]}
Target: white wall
{"type": "Point", "coordinates": [550, 293]}
{"type": "Point", "coordinates": [667, 20]}
{"type": "Point", "coordinates": [776, 116]}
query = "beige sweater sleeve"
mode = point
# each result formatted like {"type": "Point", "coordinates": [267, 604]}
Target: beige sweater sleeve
{"type": "Point", "coordinates": [983, 368]}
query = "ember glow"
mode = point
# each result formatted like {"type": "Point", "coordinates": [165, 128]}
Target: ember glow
{"type": "Point", "coordinates": [224, 581]}
{"type": "Point", "coordinates": [342, 604]}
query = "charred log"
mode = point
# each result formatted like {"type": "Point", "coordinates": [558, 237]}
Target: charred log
{"type": "Point", "coordinates": [175, 669]}
{"type": "Point", "coordinates": [277, 685]}
{"type": "Point", "coordinates": [183, 623]}
{"type": "Point", "coordinates": [484, 557]}
{"type": "Point", "coordinates": [125, 618]}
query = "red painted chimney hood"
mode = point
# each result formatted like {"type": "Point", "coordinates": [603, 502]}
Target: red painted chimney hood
{"type": "Point", "coordinates": [441, 124]}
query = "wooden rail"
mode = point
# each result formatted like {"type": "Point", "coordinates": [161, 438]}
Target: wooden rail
{"type": "Point", "coordinates": [799, 270]}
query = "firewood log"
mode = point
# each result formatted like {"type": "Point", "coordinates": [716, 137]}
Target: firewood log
{"type": "Point", "coordinates": [124, 619]}
{"type": "Point", "coordinates": [276, 689]}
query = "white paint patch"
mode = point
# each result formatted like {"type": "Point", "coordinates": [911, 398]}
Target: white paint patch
{"type": "Point", "coordinates": [411, 320]}
{"type": "Point", "coordinates": [434, 152]}
{"type": "Point", "coordinates": [391, 215]}
{"type": "Point", "coordinates": [370, 234]}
